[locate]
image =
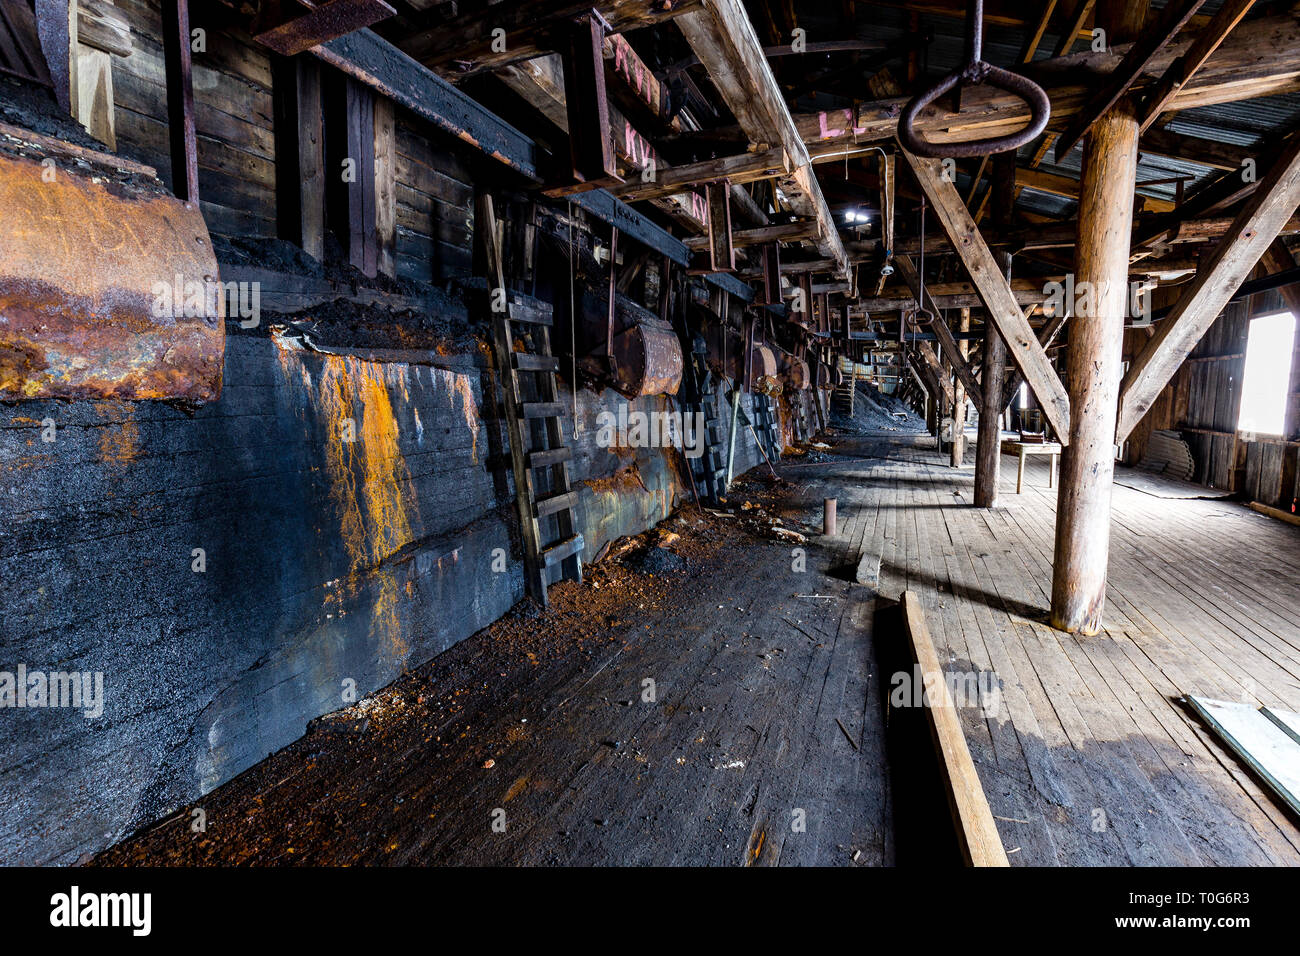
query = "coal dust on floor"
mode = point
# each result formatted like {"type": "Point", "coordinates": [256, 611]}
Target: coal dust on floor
{"type": "Point", "coordinates": [708, 696]}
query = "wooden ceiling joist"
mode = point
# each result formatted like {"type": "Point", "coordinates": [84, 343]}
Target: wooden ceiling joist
{"type": "Point", "coordinates": [1260, 58]}
{"type": "Point", "coordinates": [1255, 227]}
{"type": "Point", "coordinates": [469, 43]}
{"type": "Point", "coordinates": [723, 38]}
{"type": "Point", "coordinates": [1136, 61]}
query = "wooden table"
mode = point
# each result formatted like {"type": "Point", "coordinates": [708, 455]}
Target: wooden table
{"type": "Point", "coordinates": [1025, 448]}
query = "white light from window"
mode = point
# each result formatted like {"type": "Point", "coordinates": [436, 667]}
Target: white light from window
{"type": "Point", "coordinates": [1024, 396]}
{"type": "Point", "coordinates": [1267, 374]}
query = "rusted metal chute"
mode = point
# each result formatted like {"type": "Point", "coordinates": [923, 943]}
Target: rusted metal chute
{"type": "Point", "coordinates": [108, 283]}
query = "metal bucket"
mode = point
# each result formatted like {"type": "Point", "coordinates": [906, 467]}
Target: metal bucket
{"type": "Point", "coordinates": [647, 359]}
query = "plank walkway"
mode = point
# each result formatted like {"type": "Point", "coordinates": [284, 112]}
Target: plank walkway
{"type": "Point", "coordinates": [742, 758]}
{"type": "Point", "coordinates": [1089, 757]}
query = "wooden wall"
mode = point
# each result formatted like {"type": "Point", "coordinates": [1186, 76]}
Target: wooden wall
{"type": "Point", "coordinates": [1203, 402]}
{"type": "Point", "coordinates": [233, 119]}
{"type": "Point", "coordinates": [435, 206]}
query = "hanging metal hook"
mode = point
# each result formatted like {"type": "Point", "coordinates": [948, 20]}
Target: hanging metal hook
{"type": "Point", "coordinates": [976, 72]}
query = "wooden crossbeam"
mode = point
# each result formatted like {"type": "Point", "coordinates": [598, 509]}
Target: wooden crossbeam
{"type": "Point", "coordinates": [994, 291]}
{"type": "Point", "coordinates": [1046, 335]}
{"type": "Point", "coordinates": [1184, 68]}
{"type": "Point", "coordinates": [761, 235]}
{"type": "Point", "coordinates": [291, 27]}
{"type": "Point", "coordinates": [723, 38]}
{"type": "Point", "coordinates": [1254, 228]}
{"type": "Point", "coordinates": [744, 168]}
{"type": "Point", "coordinates": [1260, 57]}
{"type": "Point", "coordinates": [468, 44]}
{"type": "Point", "coordinates": [1208, 152]}
{"type": "Point", "coordinates": [1138, 59]}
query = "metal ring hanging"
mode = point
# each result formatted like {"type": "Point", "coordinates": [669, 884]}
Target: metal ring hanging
{"type": "Point", "coordinates": [975, 73]}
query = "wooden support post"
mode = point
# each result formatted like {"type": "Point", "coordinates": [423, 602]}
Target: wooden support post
{"type": "Point", "coordinates": [988, 446]}
{"type": "Point", "coordinates": [180, 100]}
{"type": "Point", "coordinates": [1094, 359]}
{"type": "Point", "coordinates": [958, 450]}
{"type": "Point", "coordinates": [722, 254]}
{"type": "Point", "coordinates": [363, 249]}
{"type": "Point", "coordinates": [590, 145]}
{"type": "Point", "coordinates": [385, 187]}
{"type": "Point", "coordinates": [772, 274]}
{"type": "Point", "coordinates": [300, 184]}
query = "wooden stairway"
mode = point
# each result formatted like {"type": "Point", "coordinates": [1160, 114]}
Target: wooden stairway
{"type": "Point", "coordinates": [538, 453]}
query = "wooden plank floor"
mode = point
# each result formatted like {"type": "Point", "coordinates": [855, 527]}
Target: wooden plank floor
{"type": "Point", "coordinates": [1088, 757]}
{"type": "Point", "coordinates": [757, 691]}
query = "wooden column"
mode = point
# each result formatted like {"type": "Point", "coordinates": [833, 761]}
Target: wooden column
{"type": "Point", "coordinates": [959, 400]}
{"type": "Point", "coordinates": [988, 446]}
{"type": "Point", "coordinates": [1094, 359]}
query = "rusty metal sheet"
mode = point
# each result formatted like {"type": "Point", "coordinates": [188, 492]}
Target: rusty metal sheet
{"type": "Point", "coordinates": [648, 360]}
{"type": "Point", "coordinates": [290, 27]}
{"type": "Point", "coordinates": [795, 372]}
{"type": "Point", "coordinates": [108, 286]}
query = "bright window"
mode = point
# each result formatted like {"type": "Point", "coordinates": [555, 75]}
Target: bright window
{"type": "Point", "coordinates": [1268, 373]}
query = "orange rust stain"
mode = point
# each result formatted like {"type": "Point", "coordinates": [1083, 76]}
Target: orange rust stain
{"type": "Point", "coordinates": [516, 788]}
{"type": "Point", "coordinates": [120, 444]}
{"type": "Point", "coordinates": [370, 483]}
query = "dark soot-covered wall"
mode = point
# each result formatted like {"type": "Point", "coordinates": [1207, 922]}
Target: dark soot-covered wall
{"type": "Point", "coordinates": [326, 561]}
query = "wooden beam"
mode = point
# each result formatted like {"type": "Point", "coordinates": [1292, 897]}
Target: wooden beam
{"type": "Point", "coordinates": [1184, 68]}
{"type": "Point", "coordinates": [385, 172]}
{"type": "Point", "coordinates": [1094, 359]}
{"type": "Point", "coordinates": [744, 168]}
{"type": "Point", "coordinates": [1137, 61]}
{"type": "Point", "coordinates": [994, 291]}
{"type": "Point", "coordinates": [591, 150]}
{"type": "Point", "coordinates": [977, 833]}
{"type": "Point", "coordinates": [469, 44]}
{"type": "Point", "coordinates": [1046, 335]}
{"type": "Point", "coordinates": [1260, 58]}
{"type": "Point", "coordinates": [299, 146]}
{"type": "Point", "coordinates": [1207, 152]}
{"type": "Point", "coordinates": [375, 62]}
{"type": "Point", "coordinates": [761, 235]}
{"type": "Point", "coordinates": [957, 453]}
{"type": "Point", "coordinates": [721, 252]}
{"type": "Point", "coordinates": [180, 100]}
{"type": "Point", "coordinates": [1254, 228]}
{"type": "Point", "coordinates": [721, 35]}
{"type": "Point", "coordinates": [292, 27]}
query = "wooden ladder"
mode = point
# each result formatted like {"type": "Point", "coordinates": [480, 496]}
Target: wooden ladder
{"type": "Point", "coordinates": [538, 453]}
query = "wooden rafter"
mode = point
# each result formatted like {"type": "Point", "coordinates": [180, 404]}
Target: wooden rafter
{"type": "Point", "coordinates": [723, 38]}
{"type": "Point", "coordinates": [1254, 228]}
{"type": "Point", "coordinates": [1184, 68]}
{"type": "Point", "coordinates": [1138, 59]}
{"type": "Point", "coordinates": [994, 291]}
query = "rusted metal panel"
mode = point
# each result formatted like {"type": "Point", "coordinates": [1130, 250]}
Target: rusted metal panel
{"type": "Point", "coordinates": [108, 286]}
{"type": "Point", "coordinates": [290, 27]}
{"type": "Point", "coordinates": [648, 360]}
{"type": "Point", "coordinates": [795, 372]}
